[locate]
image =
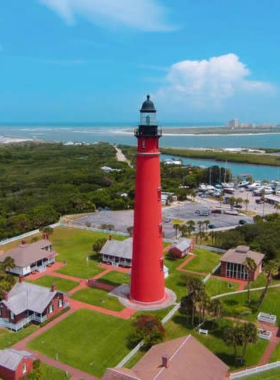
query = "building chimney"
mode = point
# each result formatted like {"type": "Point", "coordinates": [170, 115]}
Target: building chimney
{"type": "Point", "coordinates": [21, 278]}
{"type": "Point", "coordinates": [5, 296]}
{"type": "Point", "coordinates": [45, 235]}
{"type": "Point", "coordinates": [53, 288]}
{"type": "Point", "coordinates": [23, 242]}
{"type": "Point", "coordinates": [110, 237]}
{"type": "Point", "coordinates": [165, 361]}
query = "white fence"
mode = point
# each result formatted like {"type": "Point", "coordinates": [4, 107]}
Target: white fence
{"type": "Point", "coordinates": [95, 229]}
{"type": "Point", "coordinates": [209, 248]}
{"type": "Point", "coordinates": [23, 236]}
{"type": "Point", "coordinates": [255, 370]}
{"type": "Point", "coordinates": [206, 278]}
{"type": "Point", "coordinates": [139, 345]}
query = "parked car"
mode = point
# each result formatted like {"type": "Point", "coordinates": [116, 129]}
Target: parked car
{"type": "Point", "coordinates": [238, 206]}
{"type": "Point", "coordinates": [242, 221]}
{"type": "Point", "coordinates": [216, 211]}
{"type": "Point", "coordinates": [167, 220]}
{"type": "Point", "coordinates": [211, 226]}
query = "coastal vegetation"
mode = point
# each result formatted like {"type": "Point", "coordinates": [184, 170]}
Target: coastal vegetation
{"type": "Point", "coordinates": [42, 182]}
{"type": "Point", "coordinates": [238, 157]}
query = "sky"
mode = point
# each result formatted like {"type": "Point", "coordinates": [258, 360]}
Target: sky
{"type": "Point", "coordinates": [72, 61]}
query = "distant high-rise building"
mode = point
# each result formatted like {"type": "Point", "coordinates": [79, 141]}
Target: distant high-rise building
{"type": "Point", "coordinates": [232, 124]}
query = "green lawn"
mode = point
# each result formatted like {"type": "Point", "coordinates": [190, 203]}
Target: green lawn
{"type": "Point", "coordinates": [276, 354]}
{"type": "Point", "coordinates": [273, 374]}
{"type": "Point", "coordinates": [62, 284]}
{"type": "Point", "coordinates": [74, 246]}
{"type": "Point", "coordinates": [271, 303]}
{"type": "Point", "coordinates": [98, 297]}
{"type": "Point", "coordinates": [174, 281]}
{"type": "Point", "coordinates": [204, 262]}
{"type": "Point", "coordinates": [115, 278]}
{"type": "Point", "coordinates": [49, 372]}
{"type": "Point", "coordinates": [86, 340]}
{"type": "Point", "coordinates": [178, 326]}
{"type": "Point", "coordinates": [261, 281]}
{"type": "Point", "coordinates": [214, 286]}
{"type": "Point", "coordinates": [8, 338]}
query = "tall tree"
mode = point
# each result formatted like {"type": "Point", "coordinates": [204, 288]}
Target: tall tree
{"type": "Point", "coordinates": [216, 308]}
{"type": "Point", "coordinates": [206, 222]}
{"type": "Point", "coordinates": [270, 269]}
{"type": "Point", "coordinates": [250, 266]}
{"type": "Point", "coordinates": [250, 335]}
{"type": "Point", "coordinates": [195, 289]}
{"type": "Point", "coordinates": [233, 336]}
{"type": "Point", "coordinates": [246, 202]}
{"type": "Point", "coordinates": [176, 227]}
{"type": "Point", "coordinates": [147, 328]}
{"type": "Point", "coordinates": [8, 263]}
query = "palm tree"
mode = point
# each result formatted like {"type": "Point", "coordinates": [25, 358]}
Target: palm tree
{"type": "Point", "coordinates": [270, 269]}
{"type": "Point", "coordinates": [231, 202]}
{"type": "Point", "coordinates": [201, 235]}
{"type": "Point", "coordinates": [239, 201]}
{"type": "Point", "coordinates": [183, 229]}
{"type": "Point", "coordinates": [8, 263]}
{"type": "Point", "coordinates": [246, 202]}
{"type": "Point", "coordinates": [277, 207]}
{"type": "Point", "coordinates": [233, 336]}
{"type": "Point", "coordinates": [176, 227]}
{"type": "Point", "coordinates": [206, 222]}
{"type": "Point", "coordinates": [250, 266]}
{"type": "Point", "coordinates": [195, 289]}
{"type": "Point", "coordinates": [216, 307]}
{"type": "Point", "coordinates": [250, 335]}
{"type": "Point", "coordinates": [213, 236]}
{"type": "Point", "coordinates": [191, 223]}
{"type": "Point", "coordinates": [200, 223]}
{"type": "Point", "coordinates": [221, 199]}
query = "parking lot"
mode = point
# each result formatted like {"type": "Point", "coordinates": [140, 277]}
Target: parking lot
{"type": "Point", "coordinates": [179, 210]}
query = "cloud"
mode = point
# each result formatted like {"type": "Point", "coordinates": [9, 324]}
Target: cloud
{"type": "Point", "coordinates": [210, 82]}
{"type": "Point", "coordinates": [145, 15]}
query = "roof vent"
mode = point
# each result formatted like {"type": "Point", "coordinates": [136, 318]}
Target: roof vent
{"type": "Point", "coordinates": [242, 249]}
{"type": "Point", "coordinates": [165, 361]}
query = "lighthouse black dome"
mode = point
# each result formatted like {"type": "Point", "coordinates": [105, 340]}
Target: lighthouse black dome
{"type": "Point", "coordinates": [148, 105]}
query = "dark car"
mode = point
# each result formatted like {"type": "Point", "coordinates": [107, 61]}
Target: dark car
{"type": "Point", "coordinates": [211, 226]}
{"type": "Point", "coordinates": [238, 206]}
{"type": "Point", "coordinates": [242, 221]}
{"type": "Point", "coordinates": [216, 211]}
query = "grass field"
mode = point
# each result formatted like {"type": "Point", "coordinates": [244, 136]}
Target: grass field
{"type": "Point", "coordinates": [178, 327]}
{"type": "Point", "coordinates": [52, 373]}
{"type": "Point", "coordinates": [276, 354]}
{"type": "Point", "coordinates": [214, 286]}
{"type": "Point", "coordinates": [62, 284]}
{"type": "Point", "coordinates": [204, 261]}
{"type": "Point", "coordinates": [8, 338]}
{"type": "Point", "coordinates": [271, 303]}
{"type": "Point", "coordinates": [86, 340]}
{"type": "Point", "coordinates": [272, 374]}
{"type": "Point", "coordinates": [74, 246]}
{"type": "Point", "coordinates": [174, 281]}
{"type": "Point", "coordinates": [261, 281]}
{"type": "Point", "coordinates": [115, 278]}
{"type": "Point", "coordinates": [98, 297]}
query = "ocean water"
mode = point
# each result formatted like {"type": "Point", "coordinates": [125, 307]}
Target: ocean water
{"type": "Point", "coordinates": [122, 134]}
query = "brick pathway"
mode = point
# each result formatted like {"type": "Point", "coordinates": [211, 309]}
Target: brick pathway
{"type": "Point", "coordinates": [275, 339]}
{"type": "Point", "coordinates": [50, 270]}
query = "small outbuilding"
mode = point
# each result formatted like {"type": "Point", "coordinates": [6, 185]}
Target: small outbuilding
{"type": "Point", "coordinates": [119, 253]}
{"type": "Point", "coordinates": [15, 364]}
{"type": "Point", "coordinates": [182, 247]}
{"type": "Point", "coordinates": [232, 263]}
{"type": "Point", "coordinates": [181, 358]}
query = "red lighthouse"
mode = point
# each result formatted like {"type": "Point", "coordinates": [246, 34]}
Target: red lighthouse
{"type": "Point", "coordinates": [147, 276]}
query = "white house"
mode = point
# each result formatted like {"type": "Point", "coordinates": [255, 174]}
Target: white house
{"type": "Point", "coordinates": [29, 258]}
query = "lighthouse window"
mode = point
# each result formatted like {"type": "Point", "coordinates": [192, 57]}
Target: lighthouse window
{"type": "Point", "coordinates": [161, 263]}
{"type": "Point", "coordinates": [143, 144]}
{"type": "Point", "coordinates": [159, 194]}
{"type": "Point", "coordinates": [160, 229]}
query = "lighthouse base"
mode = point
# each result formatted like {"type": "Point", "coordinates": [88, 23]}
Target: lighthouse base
{"type": "Point", "coordinates": [123, 294]}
